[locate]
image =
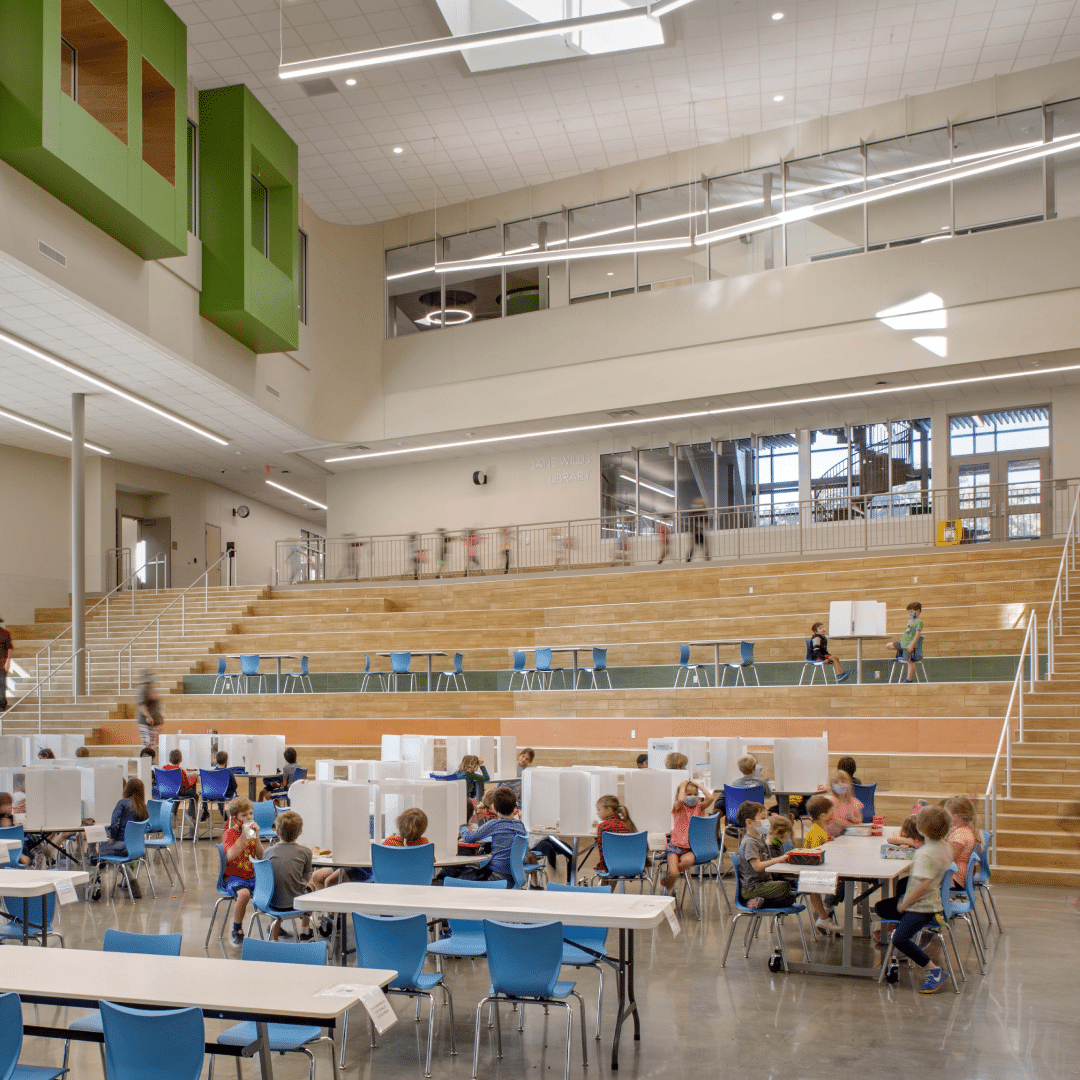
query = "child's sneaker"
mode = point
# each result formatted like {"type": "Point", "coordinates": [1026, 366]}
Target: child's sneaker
{"type": "Point", "coordinates": [828, 926]}
{"type": "Point", "coordinates": [237, 936]}
{"type": "Point", "coordinates": [844, 677]}
{"type": "Point", "coordinates": [934, 982]}
{"type": "Point", "coordinates": [307, 935]}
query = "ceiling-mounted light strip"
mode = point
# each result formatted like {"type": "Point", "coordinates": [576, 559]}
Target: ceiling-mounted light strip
{"type": "Point", "coordinates": [535, 257]}
{"type": "Point", "coordinates": [876, 391]}
{"type": "Point", "coordinates": [888, 191]}
{"type": "Point", "coordinates": [7, 414]}
{"type": "Point", "coordinates": [108, 387]}
{"type": "Point", "coordinates": [392, 54]}
{"type": "Point", "coordinates": [296, 494]}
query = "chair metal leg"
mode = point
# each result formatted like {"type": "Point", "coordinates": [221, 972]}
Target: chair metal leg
{"type": "Point", "coordinates": [731, 934]}
{"type": "Point", "coordinates": [476, 1037]}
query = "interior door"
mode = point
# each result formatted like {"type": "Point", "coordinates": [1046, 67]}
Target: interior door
{"type": "Point", "coordinates": [213, 553]}
{"type": "Point", "coordinates": [1002, 496]}
{"type": "Point", "coordinates": [155, 547]}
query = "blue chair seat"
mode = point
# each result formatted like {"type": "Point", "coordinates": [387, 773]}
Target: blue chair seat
{"type": "Point", "coordinates": [460, 943]}
{"type": "Point", "coordinates": [283, 1037]}
{"type": "Point", "coordinates": [37, 1072]}
{"type": "Point", "coordinates": [92, 1022]}
{"type": "Point", "coordinates": [559, 990]}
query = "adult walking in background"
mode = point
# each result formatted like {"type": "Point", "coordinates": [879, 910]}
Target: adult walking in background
{"type": "Point", "coordinates": [698, 521]}
{"type": "Point", "coordinates": [148, 712]}
{"type": "Point", "coordinates": [5, 664]}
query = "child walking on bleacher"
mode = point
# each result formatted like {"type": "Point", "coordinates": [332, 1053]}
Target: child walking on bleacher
{"type": "Point", "coordinates": [908, 642]}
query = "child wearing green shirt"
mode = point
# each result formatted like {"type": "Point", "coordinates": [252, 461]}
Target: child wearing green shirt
{"type": "Point", "coordinates": [909, 641]}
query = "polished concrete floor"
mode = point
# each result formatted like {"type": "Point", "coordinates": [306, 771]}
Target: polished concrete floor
{"type": "Point", "coordinates": [1018, 1021]}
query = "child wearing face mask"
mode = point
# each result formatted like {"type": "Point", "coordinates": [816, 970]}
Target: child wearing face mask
{"type": "Point", "coordinates": [757, 888]}
{"type": "Point", "coordinates": [847, 810]}
{"type": "Point", "coordinates": [691, 800]}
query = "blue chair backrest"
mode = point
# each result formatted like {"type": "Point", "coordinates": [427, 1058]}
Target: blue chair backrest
{"type": "Point", "coordinates": [471, 926]}
{"type": "Point", "coordinates": [519, 659]}
{"type": "Point", "coordinates": [595, 937]}
{"type": "Point", "coordinates": [284, 952]}
{"type": "Point", "coordinates": [982, 874]}
{"type": "Point", "coordinates": [168, 1044]}
{"type": "Point", "coordinates": [214, 783]}
{"type": "Point", "coordinates": [746, 649]}
{"type": "Point", "coordinates": [517, 861]}
{"type": "Point", "coordinates": [222, 661]}
{"type": "Point", "coordinates": [263, 892]}
{"type": "Point", "coordinates": [367, 662]}
{"type": "Point", "coordinates": [13, 832]}
{"type": "Point", "coordinates": [399, 662]}
{"type": "Point", "coordinates": [543, 659]}
{"type": "Point", "coordinates": [223, 864]}
{"type": "Point", "coordinates": [684, 655]}
{"type": "Point", "coordinates": [402, 865]}
{"type": "Point", "coordinates": [304, 665]}
{"type": "Point", "coordinates": [865, 794]}
{"type": "Point", "coordinates": [969, 878]}
{"type": "Point", "coordinates": [11, 1033]}
{"type": "Point", "coordinates": [263, 814]}
{"type": "Point", "coordinates": [298, 774]}
{"type": "Point", "coordinates": [702, 833]}
{"type": "Point", "coordinates": [458, 659]}
{"type": "Point", "coordinates": [948, 905]}
{"type": "Point", "coordinates": [135, 839]}
{"type": "Point", "coordinates": [809, 652]}
{"type": "Point", "coordinates": [734, 797]}
{"type": "Point", "coordinates": [625, 853]}
{"type": "Point", "coordinates": [147, 944]}
{"type": "Point", "coordinates": [397, 942]}
{"type": "Point", "coordinates": [249, 665]}
{"type": "Point", "coordinates": [14, 907]}
{"type": "Point", "coordinates": [524, 961]}
{"type": "Point", "coordinates": [599, 659]}
{"type": "Point", "coordinates": [168, 782]}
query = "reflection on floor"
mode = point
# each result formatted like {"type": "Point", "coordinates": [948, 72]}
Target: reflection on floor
{"type": "Point", "coordinates": [1017, 1022]}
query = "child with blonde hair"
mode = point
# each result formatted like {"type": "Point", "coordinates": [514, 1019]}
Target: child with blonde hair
{"type": "Point", "coordinates": [821, 810]}
{"type": "Point", "coordinates": [676, 761]}
{"type": "Point", "coordinates": [612, 817]}
{"type": "Point", "coordinates": [963, 837]}
{"type": "Point", "coordinates": [410, 829]}
{"type": "Point", "coordinates": [781, 834]}
{"type": "Point", "coordinates": [847, 809]}
{"type": "Point", "coordinates": [241, 844]}
{"type": "Point", "coordinates": [691, 800]}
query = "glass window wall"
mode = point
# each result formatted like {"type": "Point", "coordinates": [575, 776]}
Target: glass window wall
{"type": "Point", "coordinates": [741, 198]}
{"type": "Point", "coordinates": [669, 215]}
{"type": "Point", "coordinates": [413, 290]}
{"type": "Point", "coordinates": [816, 180]}
{"type": "Point", "coordinates": [919, 214]}
{"type": "Point", "coordinates": [1063, 170]}
{"type": "Point", "coordinates": [609, 222]}
{"type": "Point", "coordinates": [989, 433]}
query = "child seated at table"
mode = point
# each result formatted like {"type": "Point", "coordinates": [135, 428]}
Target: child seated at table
{"type": "Point", "coordinates": [131, 807]}
{"type": "Point", "coordinates": [612, 816]}
{"type": "Point", "coordinates": [525, 757]}
{"type": "Point", "coordinates": [847, 764]}
{"type": "Point", "coordinates": [781, 834]}
{"type": "Point", "coordinates": [7, 821]}
{"type": "Point", "coordinates": [821, 810]}
{"type": "Point", "coordinates": [241, 844]}
{"type": "Point", "coordinates": [485, 810]}
{"type": "Point", "coordinates": [272, 785]}
{"type": "Point", "coordinates": [410, 829]}
{"type": "Point", "coordinates": [291, 863]}
{"type": "Point", "coordinates": [189, 778]}
{"type": "Point", "coordinates": [501, 832]}
{"type": "Point", "coordinates": [757, 888]}
{"type": "Point", "coordinates": [819, 653]}
{"type": "Point", "coordinates": [963, 837]}
{"type": "Point", "coordinates": [752, 775]}
{"type": "Point", "coordinates": [847, 809]}
{"type": "Point", "coordinates": [691, 800]}
{"type": "Point", "coordinates": [676, 761]}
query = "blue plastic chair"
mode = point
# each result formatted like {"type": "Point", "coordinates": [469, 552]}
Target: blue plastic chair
{"type": "Point", "coordinates": [706, 848]}
{"type": "Point", "coordinates": [742, 666]}
{"type": "Point", "coordinates": [520, 669]}
{"type": "Point", "coordinates": [36, 907]}
{"type": "Point", "coordinates": [224, 679]}
{"type": "Point", "coordinates": [982, 879]}
{"type": "Point", "coordinates": [522, 872]}
{"type": "Point", "coordinates": [399, 942]}
{"type": "Point", "coordinates": [122, 941]}
{"type": "Point", "coordinates": [11, 1037]}
{"type": "Point", "coordinates": [599, 664]}
{"type": "Point", "coordinates": [899, 666]}
{"type": "Point", "coordinates": [402, 865]}
{"type": "Point", "coordinates": [369, 675]}
{"type": "Point", "coordinates": [283, 1038]}
{"type": "Point", "coordinates": [814, 666]}
{"type": "Point", "coordinates": [214, 785]}
{"type": "Point", "coordinates": [963, 906]}
{"type": "Point", "coordinates": [543, 667]}
{"type": "Point", "coordinates": [625, 855]}
{"type": "Point", "coordinates": [700, 671]}
{"type": "Point", "coordinates": [865, 794]}
{"type": "Point", "coordinates": [224, 896]}
{"type": "Point", "coordinates": [401, 664]}
{"type": "Point", "coordinates": [524, 963]}
{"type": "Point", "coordinates": [756, 916]}
{"type": "Point", "coordinates": [301, 677]}
{"type": "Point", "coordinates": [14, 832]}
{"type": "Point", "coordinates": [262, 894]}
{"type": "Point", "coordinates": [581, 943]}
{"type": "Point", "coordinates": [466, 937]}
{"type": "Point", "coordinates": [167, 1044]}
{"type": "Point", "coordinates": [734, 797]}
{"type": "Point", "coordinates": [249, 669]}
{"type": "Point", "coordinates": [456, 674]}
{"type": "Point", "coordinates": [135, 843]}
{"type": "Point", "coordinates": [264, 814]}
{"type": "Point", "coordinates": [168, 783]}
{"type": "Point", "coordinates": [161, 821]}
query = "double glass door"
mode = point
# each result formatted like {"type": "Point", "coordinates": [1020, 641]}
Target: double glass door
{"type": "Point", "coordinates": [1003, 496]}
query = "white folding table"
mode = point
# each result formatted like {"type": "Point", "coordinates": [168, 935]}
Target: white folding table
{"type": "Point", "coordinates": [427, 653]}
{"type": "Point", "coordinates": [23, 884]}
{"type": "Point", "coordinates": [243, 990]}
{"type": "Point", "coordinates": [265, 656]}
{"type": "Point", "coordinates": [854, 859]}
{"type": "Point", "coordinates": [573, 650]}
{"type": "Point", "coordinates": [625, 912]}
{"type": "Point", "coordinates": [859, 639]}
{"type": "Point", "coordinates": [365, 864]}
{"type": "Point", "coordinates": [714, 644]}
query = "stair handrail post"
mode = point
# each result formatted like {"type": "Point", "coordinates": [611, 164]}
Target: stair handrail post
{"type": "Point", "coordinates": [183, 622]}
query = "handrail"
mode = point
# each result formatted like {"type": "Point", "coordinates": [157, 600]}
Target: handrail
{"type": "Point", "coordinates": [48, 678]}
{"type": "Point", "coordinates": [1005, 741]}
{"type": "Point", "coordinates": [156, 621]}
{"type": "Point", "coordinates": [1061, 584]}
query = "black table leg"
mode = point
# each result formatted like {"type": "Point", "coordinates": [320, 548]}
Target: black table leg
{"type": "Point", "coordinates": [627, 1004]}
{"type": "Point", "coordinates": [26, 920]}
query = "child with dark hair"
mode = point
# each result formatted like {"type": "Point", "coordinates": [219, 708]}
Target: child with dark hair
{"type": "Point", "coordinates": [757, 888]}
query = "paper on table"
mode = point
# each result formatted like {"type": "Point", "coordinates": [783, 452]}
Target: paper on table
{"type": "Point", "coordinates": [65, 891]}
{"type": "Point", "coordinates": [816, 881]}
{"type": "Point", "coordinates": [378, 1008]}
{"type": "Point", "coordinates": [673, 922]}
{"type": "Point", "coordinates": [96, 834]}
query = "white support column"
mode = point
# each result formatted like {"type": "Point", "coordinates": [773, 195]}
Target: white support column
{"type": "Point", "coordinates": [78, 542]}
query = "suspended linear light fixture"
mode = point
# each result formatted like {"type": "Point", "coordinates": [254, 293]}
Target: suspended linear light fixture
{"type": "Point", "coordinates": [48, 429]}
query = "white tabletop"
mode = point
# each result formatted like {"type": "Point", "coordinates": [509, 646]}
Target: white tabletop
{"type": "Point", "coordinates": [365, 864]}
{"type": "Point", "coordinates": [7, 845]}
{"type": "Point", "coordinates": [857, 857]}
{"type": "Point", "coordinates": [262, 655]}
{"type": "Point", "coordinates": [619, 910]}
{"type": "Point", "coordinates": [37, 882]}
{"type": "Point", "coordinates": [412, 652]}
{"type": "Point", "coordinates": [563, 648]}
{"type": "Point", "coordinates": [233, 986]}
{"type": "Point", "coordinates": [713, 641]}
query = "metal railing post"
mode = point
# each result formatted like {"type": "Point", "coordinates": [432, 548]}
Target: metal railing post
{"type": "Point", "coordinates": [157, 642]}
{"type": "Point", "coordinates": [183, 623]}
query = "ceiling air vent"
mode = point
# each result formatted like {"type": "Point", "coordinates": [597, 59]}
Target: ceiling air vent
{"type": "Point", "coordinates": [273, 391]}
{"type": "Point", "coordinates": [622, 414]}
{"type": "Point", "coordinates": [356, 447]}
{"type": "Point", "coordinates": [319, 87]}
{"type": "Point", "coordinates": [51, 253]}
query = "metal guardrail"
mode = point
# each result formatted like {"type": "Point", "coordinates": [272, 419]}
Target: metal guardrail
{"type": "Point", "coordinates": [830, 522]}
{"type": "Point", "coordinates": [39, 685]}
{"type": "Point", "coordinates": [1061, 585]}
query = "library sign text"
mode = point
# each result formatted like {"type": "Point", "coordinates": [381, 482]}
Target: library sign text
{"type": "Point", "coordinates": [561, 468]}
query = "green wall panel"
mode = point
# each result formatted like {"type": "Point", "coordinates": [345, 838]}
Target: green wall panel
{"type": "Point", "coordinates": [249, 294]}
{"type": "Point", "coordinates": [56, 143]}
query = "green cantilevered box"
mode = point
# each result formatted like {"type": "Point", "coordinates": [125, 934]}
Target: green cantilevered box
{"type": "Point", "coordinates": [93, 108]}
{"type": "Point", "coordinates": [249, 221]}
